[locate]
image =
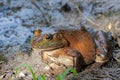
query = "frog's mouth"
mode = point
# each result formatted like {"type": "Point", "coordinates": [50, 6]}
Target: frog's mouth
{"type": "Point", "coordinates": [51, 48]}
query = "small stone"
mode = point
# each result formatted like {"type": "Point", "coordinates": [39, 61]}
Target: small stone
{"type": "Point", "coordinates": [21, 75]}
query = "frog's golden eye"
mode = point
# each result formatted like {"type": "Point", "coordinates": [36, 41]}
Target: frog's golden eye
{"type": "Point", "coordinates": [49, 36]}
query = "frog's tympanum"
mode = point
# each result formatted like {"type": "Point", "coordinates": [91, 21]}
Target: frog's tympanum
{"type": "Point", "coordinates": [69, 48]}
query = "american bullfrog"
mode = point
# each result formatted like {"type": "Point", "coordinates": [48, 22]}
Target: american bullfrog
{"type": "Point", "coordinates": [70, 48]}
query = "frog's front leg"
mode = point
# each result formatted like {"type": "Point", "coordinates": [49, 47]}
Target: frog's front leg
{"type": "Point", "coordinates": [48, 57]}
{"type": "Point", "coordinates": [78, 60]}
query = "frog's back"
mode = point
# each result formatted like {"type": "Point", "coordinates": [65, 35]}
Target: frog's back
{"type": "Point", "coordinates": [82, 41]}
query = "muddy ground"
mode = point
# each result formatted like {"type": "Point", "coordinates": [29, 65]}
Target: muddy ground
{"type": "Point", "coordinates": [20, 18]}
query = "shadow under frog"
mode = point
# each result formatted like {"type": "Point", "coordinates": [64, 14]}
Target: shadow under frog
{"type": "Point", "coordinates": [69, 48]}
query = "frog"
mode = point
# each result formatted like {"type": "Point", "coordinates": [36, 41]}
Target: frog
{"type": "Point", "coordinates": [70, 48]}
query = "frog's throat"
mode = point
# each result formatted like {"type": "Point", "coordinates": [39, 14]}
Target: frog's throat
{"type": "Point", "coordinates": [52, 48]}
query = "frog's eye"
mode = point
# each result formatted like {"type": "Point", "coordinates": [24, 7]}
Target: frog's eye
{"type": "Point", "coordinates": [49, 36]}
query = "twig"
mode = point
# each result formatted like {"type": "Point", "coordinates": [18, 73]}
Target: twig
{"type": "Point", "coordinates": [4, 71]}
{"type": "Point", "coordinates": [88, 19]}
{"type": "Point", "coordinates": [33, 2]}
{"type": "Point", "coordinates": [81, 13]}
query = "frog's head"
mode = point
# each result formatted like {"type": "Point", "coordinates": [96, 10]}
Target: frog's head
{"type": "Point", "coordinates": [48, 41]}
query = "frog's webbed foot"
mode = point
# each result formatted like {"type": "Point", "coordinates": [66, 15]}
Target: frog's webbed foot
{"type": "Point", "coordinates": [100, 57]}
{"type": "Point", "coordinates": [102, 53]}
{"type": "Point", "coordinates": [78, 60]}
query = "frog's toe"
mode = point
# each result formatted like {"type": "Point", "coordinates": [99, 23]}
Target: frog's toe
{"type": "Point", "coordinates": [101, 58]}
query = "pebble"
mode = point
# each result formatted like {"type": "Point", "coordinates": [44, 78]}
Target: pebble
{"type": "Point", "coordinates": [21, 75]}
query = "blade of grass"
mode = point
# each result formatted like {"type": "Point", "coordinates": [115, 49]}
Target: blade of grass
{"type": "Point", "coordinates": [66, 72]}
{"type": "Point", "coordinates": [16, 72]}
{"type": "Point", "coordinates": [73, 71]}
{"type": "Point", "coordinates": [60, 77]}
{"type": "Point", "coordinates": [31, 70]}
{"type": "Point", "coordinates": [41, 77]}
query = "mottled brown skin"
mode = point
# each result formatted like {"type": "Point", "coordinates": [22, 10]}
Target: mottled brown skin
{"type": "Point", "coordinates": [70, 48]}
{"type": "Point", "coordinates": [81, 41]}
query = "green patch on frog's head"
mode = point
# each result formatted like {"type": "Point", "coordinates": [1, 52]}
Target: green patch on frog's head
{"type": "Point", "coordinates": [49, 41]}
